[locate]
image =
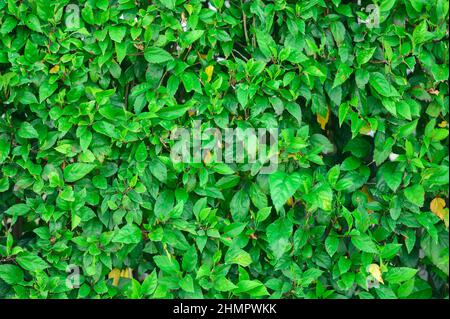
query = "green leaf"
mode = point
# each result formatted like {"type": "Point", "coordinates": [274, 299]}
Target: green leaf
{"type": "Point", "coordinates": [128, 234]}
{"type": "Point", "coordinates": [222, 169]}
{"type": "Point", "coordinates": [76, 171]}
{"type": "Point", "coordinates": [399, 274]}
{"type": "Point", "coordinates": [278, 237]}
{"type": "Point", "coordinates": [295, 111]}
{"type": "Point", "coordinates": [338, 30]}
{"type": "Point", "coordinates": [343, 73]}
{"type": "Point", "coordinates": [382, 86]}
{"type": "Point", "coordinates": [167, 264]}
{"type": "Point", "coordinates": [283, 186]}
{"type": "Point", "coordinates": [331, 244]}
{"type": "Point", "coordinates": [263, 214]}
{"type": "Point", "coordinates": [343, 111]}
{"type": "Point", "coordinates": [415, 194]}
{"type": "Point", "coordinates": [387, 5]}
{"type": "Point", "coordinates": [18, 210]}
{"type": "Point", "coordinates": [190, 259]}
{"type": "Point", "coordinates": [254, 288]}
{"type": "Point", "coordinates": [11, 274]}
{"type": "Point", "coordinates": [149, 285]}
{"type": "Point", "coordinates": [364, 243]}
{"type": "Point", "coordinates": [265, 43]}
{"type": "Point", "coordinates": [117, 33]}
{"type": "Point", "coordinates": [32, 22]}
{"type": "Point", "coordinates": [159, 170]}
{"type": "Point", "coordinates": [169, 4]}
{"type": "Point", "coordinates": [164, 204]}
{"type": "Point", "coordinates": [187, 284]}
{"type": "Point", "coordinates": [392, 175]}
{"type": "Point", "coordinates": [223, 284]}
{"type": "Point", "coordinates": [238, 256]}
{"type": "Point", "coordinates": [31, 262]}
{"type": "Point", "coordinates": [46, 89]}
{"type": "Point", "coordinates": [27, 131]}
{"type": "Point", "coordinates": [314, 71]}
{"type": "Point", "coordinates": [191, 82]}
{"type": "Point", "coordinates": [407, 129]}
{"type": "Point", "coordinates": [239, 205]}
{"type": "Point", "coordinates": [4, 149]}
{"type": "Point", "coordinates": [141, 152]}
{"type": "Point", "coordinates": [309, 276]}
{"type": "Point", "coordinates": [8, 25]}
{"type": "Point", "coordinates": [172, 112]}
{"type": "Point", "coordinates": [364, 55]}
{"type": "Point", "coordinates": [157, 55]}
{"type": "Point", "coordinates": [191, 36]}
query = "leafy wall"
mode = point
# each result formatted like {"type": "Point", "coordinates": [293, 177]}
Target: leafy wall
{"type": "Point", "coordinates": [91, 204]}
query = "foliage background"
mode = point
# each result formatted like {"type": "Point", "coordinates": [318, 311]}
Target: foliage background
{"type": "Point", "coordinates": [357, 209]}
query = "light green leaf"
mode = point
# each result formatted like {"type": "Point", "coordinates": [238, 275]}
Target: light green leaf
{"type": "Point", "coordinates": [76, 171]}
{"type": "Point", "coordinates": [283, 186]}
{"type": "Point", "coordinates": [157, 55]}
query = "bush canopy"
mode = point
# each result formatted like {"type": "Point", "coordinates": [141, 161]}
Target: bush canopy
{"type": "Point", "coordinates": [348, 196]}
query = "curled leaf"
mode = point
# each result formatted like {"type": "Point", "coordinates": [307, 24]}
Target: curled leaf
{"type": "Point", "coordinates": [115, 276]}
{"type": "Point", "coordinates": [375, 271]}
{"type": "Point", "coordinates": [54, 69]}
{"type": "Point", "coordinates": [323, 120]}
{"type": "Point", "coordinates": [437, 206]}
{"type": "Point", "coordinates": [209, 72]}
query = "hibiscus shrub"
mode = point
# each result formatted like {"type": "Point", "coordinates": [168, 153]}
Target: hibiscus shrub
{"type": "Point", "coordinates": [93, 205]}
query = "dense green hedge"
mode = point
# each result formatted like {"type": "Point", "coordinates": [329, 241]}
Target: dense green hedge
{"type": "Point", "coordinates": [91, 204]}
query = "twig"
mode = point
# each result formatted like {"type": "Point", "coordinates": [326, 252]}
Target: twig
{"type": "Point", "coordinates": [7, 260]}
{"type": "Point", "coordinates": [244, 17]}
{"type": "Point", "coordinates": [242, 56]}
{"type": "Point", "coordinates": [253, 37]}
{"type": "Point", "coordinates": [127, 90]}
